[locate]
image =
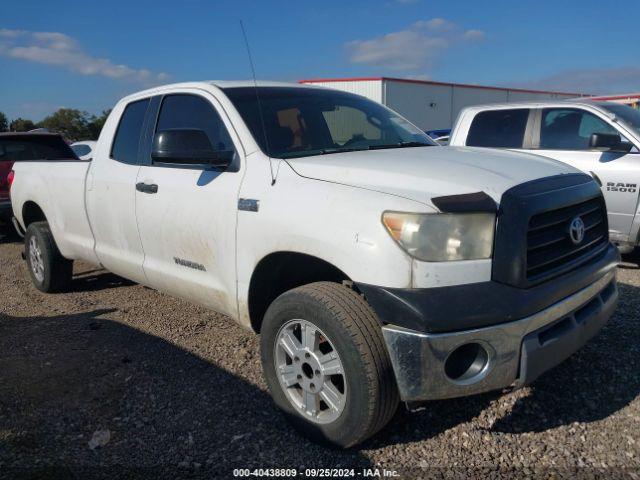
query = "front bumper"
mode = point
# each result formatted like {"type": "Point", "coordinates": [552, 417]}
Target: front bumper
{"type": "Point", "coordinates": [476, 305]}
{"type": "Point", "coordinates": [508, 354]}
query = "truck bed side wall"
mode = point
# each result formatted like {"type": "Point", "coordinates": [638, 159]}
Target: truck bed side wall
{"type": "Point", "coordinates": [58, 188]}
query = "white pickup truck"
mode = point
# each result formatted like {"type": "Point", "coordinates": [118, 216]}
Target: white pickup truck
{"type": "Point", "coordinates": [599, 138]}
{"type": "Point", "coordinates": [376, 266]}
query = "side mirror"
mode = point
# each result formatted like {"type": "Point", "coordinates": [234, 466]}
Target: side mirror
{"type": "Point", "coordinates": [609, 142]}
{"type": "Point", "coordinates": [188, 147]}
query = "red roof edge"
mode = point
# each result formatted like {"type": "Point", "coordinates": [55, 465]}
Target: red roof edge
{"type": "Point", "coordinates": [431, 82]}
{"type": "Point", "coordinates": [617, 97]}
{"type": "Point", "coordinates": [347, 79]}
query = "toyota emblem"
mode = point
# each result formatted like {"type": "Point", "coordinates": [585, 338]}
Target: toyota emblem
{"type": "Point", "coordinates": [576, 230]}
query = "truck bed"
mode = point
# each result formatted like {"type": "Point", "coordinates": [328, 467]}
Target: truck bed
{"type": "Point", "coordinates": [58, 187]}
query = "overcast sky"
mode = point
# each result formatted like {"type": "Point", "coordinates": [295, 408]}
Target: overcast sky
{"type": "Point", "coordinates": [87, 55]}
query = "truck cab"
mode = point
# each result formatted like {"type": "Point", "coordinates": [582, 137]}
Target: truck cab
{"type": "Point", "coordinates": [600, 138]}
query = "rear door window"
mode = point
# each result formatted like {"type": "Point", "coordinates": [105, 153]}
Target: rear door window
{"type": "Point", "coordinates": [570, 128]}
{"type": "Point", "coordinates": [499, 129]}
{"type": "Point", "coordinates": [127, 140]}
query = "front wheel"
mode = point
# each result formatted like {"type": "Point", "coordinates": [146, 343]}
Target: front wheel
{"type": "Point", "coordinates": [49, 270]}
{"type": "Point", "coordinates": [326, 364]}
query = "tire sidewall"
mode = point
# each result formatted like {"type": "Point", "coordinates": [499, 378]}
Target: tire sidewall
{"type": "Point", "coordinates": [34, 231]}
{"type": "Point", "coordinates": [347, 427]}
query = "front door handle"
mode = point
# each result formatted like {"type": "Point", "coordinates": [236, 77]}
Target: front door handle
{"type": "Point", "coordinates": [147, 187]}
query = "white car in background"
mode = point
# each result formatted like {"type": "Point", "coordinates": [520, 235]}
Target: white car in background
{"type": "Point", "coordinates": [84, 149]}
{"type": "Point", "coordinates": [599, 138]}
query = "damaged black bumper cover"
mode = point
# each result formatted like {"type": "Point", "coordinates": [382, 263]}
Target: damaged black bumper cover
{"type": "Point", "coordinates": [477, 305]}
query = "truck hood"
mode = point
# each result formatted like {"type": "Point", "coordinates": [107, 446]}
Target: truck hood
{"type": "Point", "coordinates": [422, 173]}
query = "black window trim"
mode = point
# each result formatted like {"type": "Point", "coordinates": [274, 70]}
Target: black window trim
{"type": "Point", "coordinates": [153, 124]}
{"type": "Point", "coordinates": [142, 131]}
{"type": "Point", "coordinates": [148, 127]}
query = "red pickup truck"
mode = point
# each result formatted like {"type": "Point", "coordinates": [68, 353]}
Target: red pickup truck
{"type": "Point", "coordinates": [16, 147]}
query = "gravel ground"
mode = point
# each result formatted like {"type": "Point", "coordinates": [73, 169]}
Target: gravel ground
{"type": "Point", "coordinates": [177, 392]}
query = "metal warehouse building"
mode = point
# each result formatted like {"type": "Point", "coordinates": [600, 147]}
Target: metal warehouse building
{"type": "Point", "coordinates": [432, 105]}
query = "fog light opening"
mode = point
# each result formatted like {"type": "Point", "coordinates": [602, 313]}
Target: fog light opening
{"type": "Point", "coordinates": [466, 363]}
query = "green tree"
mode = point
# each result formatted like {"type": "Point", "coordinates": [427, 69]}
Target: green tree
{"type": "Point", "coordinates": [96, 123]}
{"type": "Point", "coordinates": [4, 124]}
{"type": "Point", "coordinates": [21, 125]}
{"type": "Point", "coordinates": [69, 122]}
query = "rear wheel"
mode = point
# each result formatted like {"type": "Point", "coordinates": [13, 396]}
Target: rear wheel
{"type": "Point", "coordinates": [326, 364]}
{"type": "Point", "coordinates": [49, 270]}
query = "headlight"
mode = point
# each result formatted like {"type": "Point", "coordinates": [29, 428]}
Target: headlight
{"type": "Point", "coordinates": [442, 237]}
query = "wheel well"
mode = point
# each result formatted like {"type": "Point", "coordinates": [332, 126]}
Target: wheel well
{"type": "Point", "coordinates": [278, 272]}
{"type": "Point", "coordinates": [31, 212]}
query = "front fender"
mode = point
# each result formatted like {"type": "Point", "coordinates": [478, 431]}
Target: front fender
{"type": "Point", "coordinates": [335, 223]}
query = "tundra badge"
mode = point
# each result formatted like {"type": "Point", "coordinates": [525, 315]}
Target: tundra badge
{"type": "Point", "coordinates": [189, 264]}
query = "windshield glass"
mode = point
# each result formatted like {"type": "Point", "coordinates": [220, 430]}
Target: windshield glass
{"type": "Point", "coordinates": [301, 122]}
{"type": "Point", "coordinates": [626, 114]}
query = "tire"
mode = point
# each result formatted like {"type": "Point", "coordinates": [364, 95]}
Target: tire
{"type": "Point", "coordinates": [49, 270]}
{"type": "Point", "coordinates": [344, 320]}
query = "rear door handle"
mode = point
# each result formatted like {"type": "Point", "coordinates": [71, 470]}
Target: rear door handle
{"type": "Point", "coordinates": [147, 187]}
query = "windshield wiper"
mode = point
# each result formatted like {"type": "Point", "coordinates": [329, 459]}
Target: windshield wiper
{"type": "Point", "coordinates": [400, 145]}
{"type": "Point", "coordinates": [324, 151]}
{"type": "Point", "coordinates": [329, 151]}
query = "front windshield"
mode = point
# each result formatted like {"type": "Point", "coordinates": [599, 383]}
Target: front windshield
{"type": "Point", "coordinates": [301, 122]}
{"type": "Point", "coordinates": [626, 114]}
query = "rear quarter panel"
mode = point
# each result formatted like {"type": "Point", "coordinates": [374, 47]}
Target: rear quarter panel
{"type": "Point", "coordinates": [58, 188]}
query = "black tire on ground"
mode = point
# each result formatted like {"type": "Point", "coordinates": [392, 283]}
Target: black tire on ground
{"type": "Point", "coordinates": [355, 332]}
{"type": "Point", "coordinates": [57, 270]}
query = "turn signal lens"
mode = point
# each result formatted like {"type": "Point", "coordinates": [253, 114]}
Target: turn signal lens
{"type": "Point", "coordinates": [10, 177]}
{"type": "Point", "coordinates": [394, 223]}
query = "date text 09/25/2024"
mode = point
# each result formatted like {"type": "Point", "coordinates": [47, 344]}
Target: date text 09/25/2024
{"type": "Point", "coordinates": [316, 472]}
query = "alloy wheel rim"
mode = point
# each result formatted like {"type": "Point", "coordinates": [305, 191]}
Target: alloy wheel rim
{"type": "Point", "coordinates": [35, 259]}
{"type": "Point", "coordinates": [310, 371]}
